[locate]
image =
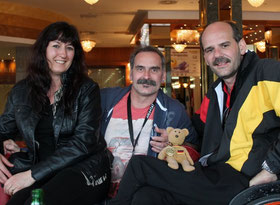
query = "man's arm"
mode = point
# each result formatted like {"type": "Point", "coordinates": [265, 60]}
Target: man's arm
{"type": "Point", "coordinates": [270, 167]}
{"type": "Point", "coordinates": [177, 118]}
{"type": "Point", "coordinates": [262, 178]}
{"type": "Point", "coordinates": [271, 164]}
{"type": "Point", "coordinates": [184, 121]}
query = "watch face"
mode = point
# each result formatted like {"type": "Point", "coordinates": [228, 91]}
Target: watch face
{"type": "Point", "coordinates": [266, 167]}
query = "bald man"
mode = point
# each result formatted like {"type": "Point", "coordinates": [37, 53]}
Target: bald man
{"type": "Point", "coordinates": [238, 122]}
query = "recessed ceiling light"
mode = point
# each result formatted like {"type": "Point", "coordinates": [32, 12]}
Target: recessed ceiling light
{"type": "Point", "coordinates": [168, 1]}
{"type": "Point", "coordinates": [160, 24]}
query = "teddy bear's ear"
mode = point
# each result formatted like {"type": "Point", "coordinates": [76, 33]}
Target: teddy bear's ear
{"type": "Point", "coordinates": [185, 131]}
{"type": "Point", "coordinates": [169, 129]}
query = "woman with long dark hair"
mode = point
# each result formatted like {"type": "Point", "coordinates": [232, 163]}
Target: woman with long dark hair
{"type": "Point", "coordinates": [56, 110]}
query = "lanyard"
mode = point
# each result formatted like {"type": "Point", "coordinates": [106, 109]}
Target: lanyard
{"type": "Point", "coordinates": [129, 119]}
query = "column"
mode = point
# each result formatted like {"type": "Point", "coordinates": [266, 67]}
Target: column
{"type": "Point", "coordinates": [273, 52]}
{"type": "Point", "coordinates": [168, 70]}
{"type": "Point", "coordinates": [209, 13]}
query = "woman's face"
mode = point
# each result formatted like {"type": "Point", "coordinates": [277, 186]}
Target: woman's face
{"type": "Point", "coordinates": [59, 56]}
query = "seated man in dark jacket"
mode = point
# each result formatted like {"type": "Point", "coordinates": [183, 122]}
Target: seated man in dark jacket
{"type": "Point", "coordinates": [239, 120]}
{"type": "Point", "coordinates": [135, 118]}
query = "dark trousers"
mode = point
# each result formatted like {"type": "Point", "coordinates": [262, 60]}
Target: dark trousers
{"type": "Point", "coordinates": [68, 187]}
{"type": "Point", "coordinates": [150, 181]}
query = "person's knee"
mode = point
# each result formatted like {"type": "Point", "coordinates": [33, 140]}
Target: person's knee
{"type": "Point", "coordinates": [137, 158]}
{"type": "Point", "coordinates": [150, 195]}
{"type": "Point", "coordinates": [141, 197]}
{"type": "Point", "coordinates": [142, 160]}
{"type": "Point", "coordinates": [136, 161]}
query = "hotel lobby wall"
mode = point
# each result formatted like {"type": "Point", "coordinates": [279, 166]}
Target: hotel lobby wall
{"type": "Point", "coordinates": [110, 57]}
{"type": "Point", "coordinates": [4, 90]}
{"type": "Point", "coordinates": [22, 59]}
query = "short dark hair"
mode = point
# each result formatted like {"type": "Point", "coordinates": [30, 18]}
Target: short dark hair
{"type": "Point", "coordinates": [146, 49]}
{"type": "Point", "coordinates": [237, 36]}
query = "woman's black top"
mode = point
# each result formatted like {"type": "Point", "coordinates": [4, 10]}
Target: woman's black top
{"type": "Point", "coordinates": [44, 134]}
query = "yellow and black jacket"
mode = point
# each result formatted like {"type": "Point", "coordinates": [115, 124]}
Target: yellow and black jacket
{"type": "Point", "coordinates": [251, 131]}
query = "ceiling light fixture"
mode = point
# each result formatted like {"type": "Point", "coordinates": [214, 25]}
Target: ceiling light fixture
{"type": "Point", "coordinates": [187, 35]}
{"type": "Point", "coordinates": [256, 3]}
{"type": "Point", "coordinates": [179, 47]}
{"type": "Point", "coordinates": [184, 37]}
{"type": "Point", "coordinates": [168, 2]}
{"type": "Point", "coordinates": [91, 2]}
{"type": "Point", "coordinates": [268, 36]}
{"type": "Point", "coordinates": [176, 85]}
{"type": "Point", "coordinates": [88, 45]}
{"type": "Point", "coordinates": [260, 46]}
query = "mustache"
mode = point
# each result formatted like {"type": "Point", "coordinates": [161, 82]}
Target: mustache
{"type": "Point", "coordinates": [221, 59]}
{"type": "Point", "coordinates": [146, 82]}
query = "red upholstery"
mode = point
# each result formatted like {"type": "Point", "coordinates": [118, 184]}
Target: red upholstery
{"type": "Point", "coordinates": [3, 197]}
{"type": "Point", "coordinates": [193, 153]}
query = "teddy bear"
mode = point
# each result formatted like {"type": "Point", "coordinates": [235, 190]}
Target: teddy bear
{"type": "Point", "coordinates": [174, 153]}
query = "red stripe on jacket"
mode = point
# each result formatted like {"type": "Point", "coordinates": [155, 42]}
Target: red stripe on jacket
{"type": "Point", "coordinates": [202, 111]}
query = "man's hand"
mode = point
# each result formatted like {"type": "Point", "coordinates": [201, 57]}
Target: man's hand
{"type": "Point", "coordinates": [262, 178]}
{"type": "Point", "coordinates": [10, 147]}
{"type": "Point", "coordinates": [4, 172]}
{"type": "Point", "coordinates": [18, 182]}
{"type": "Point", "coordinates": [159, 142]}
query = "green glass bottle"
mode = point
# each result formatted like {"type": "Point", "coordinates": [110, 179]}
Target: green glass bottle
{"type": "Point", "coordinates": [37, 197]}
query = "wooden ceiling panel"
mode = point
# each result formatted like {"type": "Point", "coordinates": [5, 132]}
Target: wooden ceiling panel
{"type": "Point", "coordinates": [14, 31]}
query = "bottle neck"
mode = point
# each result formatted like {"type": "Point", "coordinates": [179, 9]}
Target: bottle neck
{"type": "Point", "coordinates": [37, 197]}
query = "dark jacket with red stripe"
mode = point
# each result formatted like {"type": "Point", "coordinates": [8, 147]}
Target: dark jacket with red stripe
{"type": "Point", "coordinates": [168, 113]}
{"type": "Point", "coordinates": [251, 131]}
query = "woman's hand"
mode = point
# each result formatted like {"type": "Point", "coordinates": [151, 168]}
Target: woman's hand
{"type": "Point", "coordinates": [18, 182]}
{"type": "Point", "coordinates": [10, 147]}
{"type": "Point", "coordinates": [4, 172]}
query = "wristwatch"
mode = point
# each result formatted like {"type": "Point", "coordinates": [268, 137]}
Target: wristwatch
{"type": "Point", "coordinates": [266, 167]}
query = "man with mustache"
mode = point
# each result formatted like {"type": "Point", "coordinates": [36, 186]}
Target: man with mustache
{"type": "Point", "coordinates": [135, 118]}
{"type": "Point", "coordinates": [239, 122]}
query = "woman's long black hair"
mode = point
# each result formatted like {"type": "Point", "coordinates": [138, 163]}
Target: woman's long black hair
{"type": "Point", "coordinates": [39, 79]}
